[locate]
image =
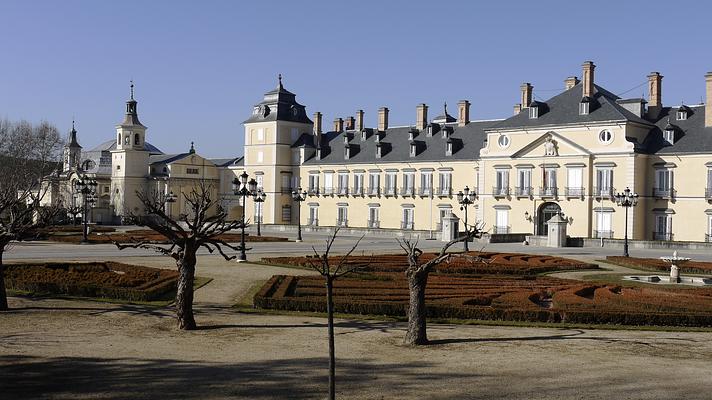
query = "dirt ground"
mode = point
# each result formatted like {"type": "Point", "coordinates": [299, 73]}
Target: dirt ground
{"type": "Point", "coordinates": [61, 349]}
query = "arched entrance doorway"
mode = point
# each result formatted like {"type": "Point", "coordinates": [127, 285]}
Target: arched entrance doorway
{"type": "Point", "coordinates": [546, 211]}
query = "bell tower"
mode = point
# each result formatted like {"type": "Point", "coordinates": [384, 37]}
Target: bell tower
{"type": "Point", "coordinates": [72, 152]}
{"type": "Point", "coordinates": [129, 162]}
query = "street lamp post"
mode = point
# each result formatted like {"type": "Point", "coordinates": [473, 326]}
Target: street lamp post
{"type": "Point", "coordinates": [259, 197]}
{"type": "Point", "coordinates": [626, 200]}
{"type": "Point", "coordinates": [241, 187]}
{"type": "Point", "coordinates": [87, 188]}
{"type": "Point", "coordinates": [299, 196]}
{"type": "Point", "coordinates": [465, 198]}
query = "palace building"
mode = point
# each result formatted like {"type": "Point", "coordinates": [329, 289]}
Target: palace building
{"type": "Point", "coordinates": [569, 154]}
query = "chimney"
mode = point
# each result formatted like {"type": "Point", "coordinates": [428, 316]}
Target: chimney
{"type": "Point", "coordinates": [350, 122]}
{"type": "Point", "coordinates": [655, 97]}
{"type": "Point", "coordinates": [527, 89]}
{"type": "Point", "coordinates": [338, 125]}
{"type": "Point", "coordinates": [317, 129]}
{"type": "Point", "coordinates": [463, 116]}
{"type": "Point", "coordinates": [382, 119]}
{"type": "Point", "coordinates": [359, 120]}
{"type": "Point", "coordinates": [517, 108]}
{"type": "Point", "coordinates": [570, 82]}
{"type": "Point", "coordinates": [421, 116]}
{"type": "Point", "coordinates": [588, 68]}
{"type": "Point", "coordinates": [708, 103]}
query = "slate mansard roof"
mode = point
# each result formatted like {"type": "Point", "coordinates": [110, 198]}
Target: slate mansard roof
{"type": "Point", "coordinates": [691, 135]}
{"type": "Point", "coordinates": [467, 141]}
{"type": "Point", "coordinates": [279, 105]}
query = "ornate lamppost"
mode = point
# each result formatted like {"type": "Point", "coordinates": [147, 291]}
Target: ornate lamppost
{"type": "Point", "coordinates": [241, 187]}
{"type": "Point", "coordinates": [299, 196]}
{"type": "Point", "coordinates": [465, 198]}
{"type": "Point", "coordinates": [259, 197]}
{"type": "Point", "coordinates": [87, 188]}
{"type": "Point", "coordinates": [627, 199]}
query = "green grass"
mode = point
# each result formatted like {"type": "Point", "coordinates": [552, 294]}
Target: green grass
{"type": "Point", "coordinates": [164, 301]}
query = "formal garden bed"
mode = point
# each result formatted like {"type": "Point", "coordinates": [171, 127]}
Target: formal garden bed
{"type": "Point", "coordinates": [656, 264]}
{"type": "Point", "coordinates": [506, 288]}
{"type": "Point", "coordinates": [108, 280]}
{"type": "Point", "coordinates": [145, 235]}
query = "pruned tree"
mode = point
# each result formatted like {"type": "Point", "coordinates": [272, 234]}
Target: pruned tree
{"type": "Point", "coordinates": [331, 273]}
{"type": "Point", "coordinates": [417, 275]}
{"type": "Point", "coordinates": [201, 228]}
{"type": "Point", "coordinates": [27, 154]}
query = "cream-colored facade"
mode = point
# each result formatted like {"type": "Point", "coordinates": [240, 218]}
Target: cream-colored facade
{"type": "Point", "coordinates": [569, 154]}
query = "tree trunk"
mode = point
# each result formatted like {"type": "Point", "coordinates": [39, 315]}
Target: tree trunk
{"type": "Point", "coordinates": [416, 334]}
{"type": "Point", "coordinates": [332, 356]}
{"type": "Point", "coordinates": [184, 294]}
{"type": "Point", "coordinates": [3, 294]}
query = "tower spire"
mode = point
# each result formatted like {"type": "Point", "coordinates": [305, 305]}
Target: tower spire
{"type": "Point", "coordinates": [279, 77]}
{"type": "Point", "coordinates": [132, 89]}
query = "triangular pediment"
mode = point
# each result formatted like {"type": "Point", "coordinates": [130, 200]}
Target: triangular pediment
{"type": "Point", "coordinates": [550, 144]}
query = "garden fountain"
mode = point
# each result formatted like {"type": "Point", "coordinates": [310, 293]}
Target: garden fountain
{"type": "Point", "coordinates": [674, 277]}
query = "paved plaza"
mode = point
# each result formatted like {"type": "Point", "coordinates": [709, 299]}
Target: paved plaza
{"type": "Point", "coordinates": [67, 349]}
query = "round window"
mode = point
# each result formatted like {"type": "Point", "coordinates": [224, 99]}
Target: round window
{"type": "Point", "coordinates": [605, 136]}
{"type": "Point", "coordinates": [503, 141]}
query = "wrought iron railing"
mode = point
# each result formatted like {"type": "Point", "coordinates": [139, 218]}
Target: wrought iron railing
{"type": "Point", "coordinates": [523, 191]}
{"type": "Point", "coordinates": [602, 234]}
{"type": "Point", "coordinates": [663, 193]}
{"type": "Point", "coordinates": [500, 191]}
{"type": "Point", "coordinates": [604, 192]}
{"type": "Point", "coordinates": [374, 224]}
{"type": "Point", "coordinates": [666, 236]}
{"type": "Point", "coordinates": [407, 225]}
{"type": "Point", "coordinates": [574, 191]}
{"type": "Point", "coordinates": [548, 191]}
{"type": "Point", "coordinates": [500, 229]}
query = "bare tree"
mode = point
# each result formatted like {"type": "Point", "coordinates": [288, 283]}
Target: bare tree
{"type": "Point", "coordinates": [201, 227]}
{"type": "Point", "coordinates": [27, 154]}
{"type": "Point", "coordinates": [417, 275]}
{"type": "Point", "coordinates": [330, 274]}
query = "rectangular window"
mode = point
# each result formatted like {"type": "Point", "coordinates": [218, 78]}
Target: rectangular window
{"type": "Point", "coordinates": [663, 179]}
{"type": "Point", "coordinates": [261, 134]}
{"type": "Point", "coordinates": [191, 171]}
{"type": "Point", "coordinates": [549, 183]}
{"type": "Point", "coordinates": [663, 227]}
{"type": "Point", "coordinates": [343, 186]}
{"type": "Point", "coordinates": [444, 183]}
{"type": "Point", "coordinates": [342, 216]}
{"type": "Point", "coordinates": [604, 225]}
{"type": "Point", "coordinates": [374, 182]}
{"type": "Point", "coordinates": [408, 218]}
{"type": "Point", "coordinates": [313, 215]}
{"type": "Point", "coordinates": [408, 184]}
{"type": "Point", "coordinates": [287, 183]}
{"type": "Point", "coordinates": [313, 184]}
{"type": "Point", "coordinates": [286, 213]}
{"type": "Point", "coordinates": [426, 183]}
{"type": "Point", "coordinates": [373, 221]}
{"type": "Point", "coordinates": [574, 182]}
{"type": "Point", "coordinates": [358, 184]}
{"type": "Point", "coordinates": [524, 182]}
{"type": "Point", "coordinates": [501, 187]}
{"type": "Point", "coordinates": [501, 221]}
{"type": "Point", "coordinates": [328, 183]}
{"type": "Point", "coordinates": [390, 183]}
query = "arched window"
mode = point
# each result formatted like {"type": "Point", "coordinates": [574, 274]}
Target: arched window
{"type": "Point", "coordinates": [137, 139]}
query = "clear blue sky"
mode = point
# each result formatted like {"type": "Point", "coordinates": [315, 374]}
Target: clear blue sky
{"type": "Point", "coordinates": [200, 66]}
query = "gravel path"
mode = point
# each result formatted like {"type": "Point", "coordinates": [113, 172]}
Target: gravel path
{"type": "Point", "coordinates": [57, 349]}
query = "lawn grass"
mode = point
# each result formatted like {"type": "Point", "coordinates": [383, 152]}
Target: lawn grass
{"type": "Point", "coordinates": [164, 301]}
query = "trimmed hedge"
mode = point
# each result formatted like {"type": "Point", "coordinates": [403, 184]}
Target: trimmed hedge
{"type": "Point", "coordinates": [656, 264]}
{"type": "Point", "coordinates": [102, 279]}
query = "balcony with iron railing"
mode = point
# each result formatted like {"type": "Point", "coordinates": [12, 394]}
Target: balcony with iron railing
{"type": "Point", "coordinates": [313, 222]}
{"type": "Point", "coordinates": [501, 230]}
{"type": "Point", "coordinates": [425, 191]}
{"type": "Point", "coordinates": [574, 191]}
{"type": "Point", "coordinates": [548, 192]}
{"type": "Point", "coordinates": [342, 191]}
{"type": "Point", "coordinates": [708, 194]}
{"type": "Point", "coordinates": [500, 191]}
{"type": "Point", "coordinates": [357, 191]}
{"type": "Point", "coordinates": [407, 225]}
{"type": "Point", "coordinates": [604, 192]}
{"type": "Point", "coordinates": [342, 223]}
{"type": "Point", "coordinates": [602, 234]}
{"type": "Point", "coordinates": [444, 192]}
{"type": "Point", "coordinates": [374, 224]}
{"type": "Point", "coordinates": [523, 191]}
{"type": "Point", "coordinates": [663, 193]}
{"type": "Point", "coordinates": [374, 191]}
{"type": "Point", "coordinates": [666, 236]}
{"type": "Point", "coordinates": [407, 191]}
{"type": "Point", "coordinates": [327, 191]}
{"type": "Point", "coordinates": [390, 191]}
{"type": "Point", "coordinates": [313, 191]}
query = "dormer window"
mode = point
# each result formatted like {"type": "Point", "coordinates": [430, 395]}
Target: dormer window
{"type": "Point", "coordinates": [411, 135]}
{"type": "Point", "coordinates": [682, 113]}
{"type": "Point", "coordinates": [347, 152]}
{"type": "Point", "coordinates": [585, 106]}
{"type": "Point", "coordinates": [346, 139]}
{"type": "Point", "coordinates": [379, 149]}
{"type": "Point", "coordinates": [429, 131]}
{"type": "Point", "coordinates": [446, 132]}
{"type": "Point", "coordinates": [364, 136]}
{"type": "Point", "coordinates": [448, 147]}
{"type": "Point", "coordinates": [413, 149]}
{"type": "Point", "coordinates": [669, 134]}
{"type": "Point", "coordinates": [534, 110]}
